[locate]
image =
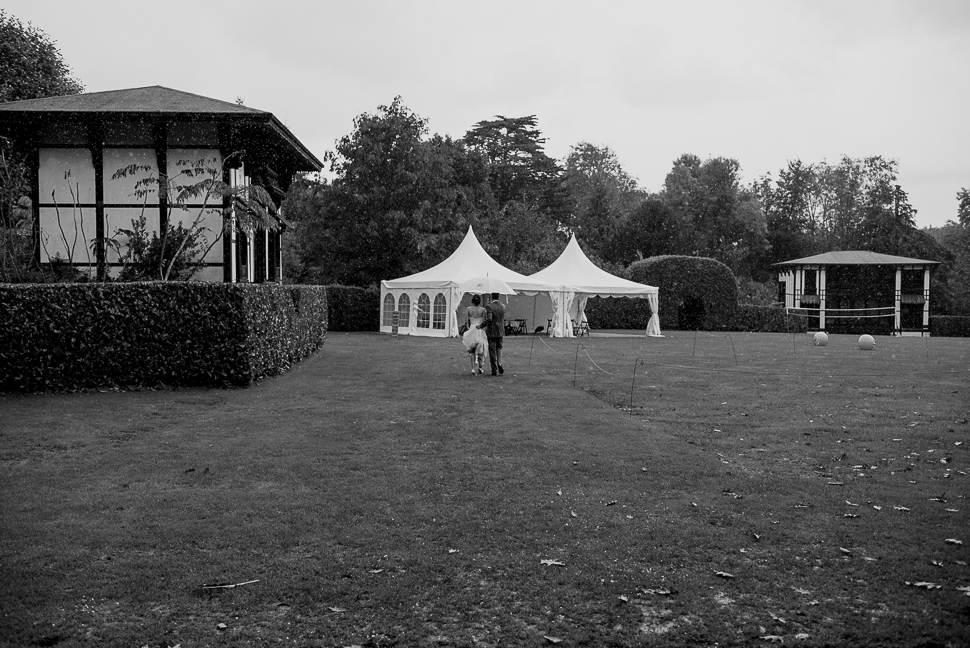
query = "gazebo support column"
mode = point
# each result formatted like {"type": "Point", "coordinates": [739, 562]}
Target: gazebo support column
{"type": "Point", "coordinates": [821, 299]}
{"type": "Point", "coordinates": [926, 301]}
{"type": "Point", "coordinates": [898, 326]}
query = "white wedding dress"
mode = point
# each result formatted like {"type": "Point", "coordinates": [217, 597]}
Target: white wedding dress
{"type": "Point", "coordinates": [475, 340]}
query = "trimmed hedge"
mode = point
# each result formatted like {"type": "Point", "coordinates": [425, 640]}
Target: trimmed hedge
{"type": "Point", "coordinates": [695, 292]}
{"type": "Point", "coordinates": [64, 337]}
{"type": "Point", "coordinates": [950, 325]}
{"type": "Point", "coordinates": [766, 319]}
{"type": "Point", "coordinates": [353, 309]}
{"type": "Point", "coordinates": [619, 312]}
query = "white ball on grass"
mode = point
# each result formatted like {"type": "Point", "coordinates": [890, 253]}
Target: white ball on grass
{"type": "Point", "coordinates": [820, 338]}
{"type": "Point", "coordinates": [866, 342]}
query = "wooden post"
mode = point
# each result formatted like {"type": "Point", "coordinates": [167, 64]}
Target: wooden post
{"type": "Point", "coordinates": [898, 328]}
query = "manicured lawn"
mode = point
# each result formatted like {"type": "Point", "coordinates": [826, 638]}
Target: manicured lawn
{"type": "Point", "coordinates": [760, 489]}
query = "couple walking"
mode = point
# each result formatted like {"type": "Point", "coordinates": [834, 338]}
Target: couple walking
{"type": "Point", "coordinates": [486, 327]}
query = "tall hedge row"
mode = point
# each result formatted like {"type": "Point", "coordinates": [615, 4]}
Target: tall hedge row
{"type": "Point", "coordinates": [62, 337]}
{"type": "Point", "coordinates": [695, 292]}
{"type": "Point", "coordinates": [949, 326]}
{"type": "Point", "coordinates": [353, 309]}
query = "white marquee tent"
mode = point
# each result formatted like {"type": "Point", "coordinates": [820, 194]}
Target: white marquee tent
{"type": "Point", "coordinates": [428, 302]}
{"type": "Point", "coordinates": [574, 279]}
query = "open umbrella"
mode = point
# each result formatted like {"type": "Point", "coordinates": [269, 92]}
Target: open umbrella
{"type": "Point", "coordinates": [485, 286]}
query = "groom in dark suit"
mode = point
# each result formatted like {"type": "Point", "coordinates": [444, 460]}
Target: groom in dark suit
{"type": "Point", "coordinates": [494, 326]}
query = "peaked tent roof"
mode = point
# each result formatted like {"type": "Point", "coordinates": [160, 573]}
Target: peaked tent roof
{"type": "Point", "coordinates": [574, 271]}
{"type": "Point", "coordinates": [468, 261]}
{"type": "Point", "coordinates": [856, 257]}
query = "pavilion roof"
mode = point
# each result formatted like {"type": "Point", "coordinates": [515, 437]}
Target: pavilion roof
{"type": "Point", "coordinates": [856, 257]}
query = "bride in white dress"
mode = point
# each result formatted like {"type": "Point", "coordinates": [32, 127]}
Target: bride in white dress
{"type": "Point", "coordinates": [474, 339]}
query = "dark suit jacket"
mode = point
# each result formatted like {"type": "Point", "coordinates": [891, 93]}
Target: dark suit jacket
{"type": "Point", "coordinates": [494, 319]}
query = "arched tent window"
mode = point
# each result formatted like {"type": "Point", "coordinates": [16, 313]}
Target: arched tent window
{"type": "Point", "coordinates": [439, 312]}
{"type": "Point", "coordinates": [424, 311]}
{"type": "Point", "coordinates": [404, 307]}
{"type": "Point", "coordinates": [388, 309]}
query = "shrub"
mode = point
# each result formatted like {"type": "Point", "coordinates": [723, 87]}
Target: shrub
{"type": "Point", "coordinates": [618, 313]}
{"type": "Point", "coordinates": [753, 317]}
{"type": "Point", "coordinates": [950, 326]}
{"type": "Point", "coordinates": [63, 337]}
{"type": "Point", "coordinates": [353, 309]}
{"type": "Point", "coordinates": [695, 292]}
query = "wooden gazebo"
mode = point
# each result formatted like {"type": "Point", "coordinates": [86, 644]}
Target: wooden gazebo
{"type": "Point", "coordinates": [857, 291]}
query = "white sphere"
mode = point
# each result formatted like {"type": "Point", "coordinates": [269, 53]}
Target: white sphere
{"type": "Point", "coordinates": [820, 338]}
{"type": "Point", "coordinates": [866, 342]}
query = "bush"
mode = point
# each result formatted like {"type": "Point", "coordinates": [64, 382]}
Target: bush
{"type": "Point", "coordinates": [618, 313]}
{"type": "Point", "coordinates": [695, 292]}
{"type": "Point", "coordinates": [950, 326]}
{"type": "Point", "coordinates": [353, 309]}
{"type": "Point", "coordinates": [64, 337]}
{"type": "Point", "coordinates": [753, 317]}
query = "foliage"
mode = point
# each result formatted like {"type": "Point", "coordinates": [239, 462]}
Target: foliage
{"type": "Point", "coordinates": [31, 66]}
{"type": "Point", "coordinates": [601, 194]}
{"type": "Point", "coordinates": [950, 325]}
{"type": "Point", "coordinates": [177, 254]}
{"type": "Point", "coordinates": [617, 313]}
{"type": "Point", "coordinates": [399, 203]}
{"type": "Point", "coordinates": [766, 319]}
{"type": "Point", "coordinates": [695, 292]}
{"type": "Point", "coordinates": [351, 308]}
{"type": "Point", "coordinates": [66, 337]}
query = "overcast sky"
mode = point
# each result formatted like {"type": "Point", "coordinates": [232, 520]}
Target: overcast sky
{"type": "Point", "coordinates": [763, 82]}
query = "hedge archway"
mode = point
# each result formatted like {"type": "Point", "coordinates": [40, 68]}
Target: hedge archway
{"type": "Point", "coordinates": [695, 292]}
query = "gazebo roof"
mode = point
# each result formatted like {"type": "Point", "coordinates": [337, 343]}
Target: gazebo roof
{"type": "Point", "coordinates": [259, 128]}
{"type": "Point", "coordinates": [856, 257]}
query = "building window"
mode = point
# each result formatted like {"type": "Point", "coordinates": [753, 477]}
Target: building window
{"type": "Point", "coordinates": [439, 312]}
{"type": "Point", "coordinates": [388, 309]}
{"type": "Point", "coordinates": [404, 308]}
{"type": "Point", "coordinates": [424, 311]}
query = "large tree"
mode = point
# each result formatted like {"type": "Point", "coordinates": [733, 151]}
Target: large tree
{"type": "Point", "coordinates": [721, 218]}
{"type": "Point", "coordinates": [31, 66]}
{"type": "Point", "coordinates": [400, 201]}
{"type": "Point", "coordinates": [601, 196]}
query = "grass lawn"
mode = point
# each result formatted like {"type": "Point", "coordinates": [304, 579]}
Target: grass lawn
{"type": "Point", "coordinates": [748, 489]}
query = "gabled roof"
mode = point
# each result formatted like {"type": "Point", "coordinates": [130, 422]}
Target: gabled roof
{"type": "Point", "coordinates": [468, 261]}
{"type": "Point", "coordinates": [573, 271]}
{"type": "Point", "coordinates": [856, 257]}
{"type": "Point", "coordinates": [150, 99]}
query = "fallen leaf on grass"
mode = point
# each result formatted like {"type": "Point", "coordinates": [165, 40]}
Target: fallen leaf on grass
{"type": "Point", "coordinates": [850, 515]}
{"type": "Point", "coordinates": [772, 638]}
{"type": "Point", "coordinates": [936, 563]}
{"type": "Point", "coordinates": [878, 508]}
{"type": "Point", "coordinates": [573, 513]}
{"type": "Point", "coordinates": [900, 508]}
{"type": "Point", "coordinates": [850, 503]}
{"type": "Point", "coordinates": [953, 541]}
{"type": "Point", "coordinates": [965, 589]}
{"type": "Point", "coordinates": [723, 574]}
{"type": "Point", "coordinates": [336, 609]}
{"type": "Point", "coordinates": [777, 618]}
{"type": "Point", "coordinates": [802, 636]}
{"type": "Point", "coordinates": [924, 585]}
{"type": "Point", "coordinates": [451, 551]}
{"type": "Point", "coordinates": [657, 592]}
{"type": "Point", "coordinates": [550, 561]}
{"type": "Point", "coordinates": [835, 483]}
{"type": "Point", "coordinates": [221, 626]}
{"type": "Point", "coordinates": [376, 571]}
{"type": "Point", "coordinates": [949, 510]}
{"type": "Point", "coordinates": [869, 559]}
{"type": "Point", "coordinates": [624, 598]}
{"type": "Point", "coordinates": [845, 551]}
{"type": "Point", "coordinates": [611, 503]}
{"type": "Point", "coordinates": [552, 640]}
{"type": "Point", "coordinates": [559, 492]}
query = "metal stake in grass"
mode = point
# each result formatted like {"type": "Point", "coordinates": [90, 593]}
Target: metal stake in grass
{"type": "Point", "coordinates": [579, 347]}
{"type": "Point", "coordinates": [636, 365]}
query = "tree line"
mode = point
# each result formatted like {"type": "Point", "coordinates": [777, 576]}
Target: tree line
{"type": "Point", "coordinates": [400, 199]}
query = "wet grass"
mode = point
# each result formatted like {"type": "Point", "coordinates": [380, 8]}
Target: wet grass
{"type": "Point", "coordinates": [759, 488]}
